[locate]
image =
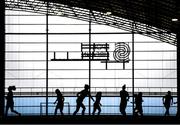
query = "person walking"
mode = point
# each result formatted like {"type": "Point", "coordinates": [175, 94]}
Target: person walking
{"type": "Point", "coordinates": [60, 102]}
{"type": "Point", "coordinates": [80, 97]}
{"type": "Point", "coordinates": [167, 101]}
{"type": "Point", "coordinates": [124, 98]}
{"type": "Point", "coordinates": [97, 104]}
{"type": "Point", "coordinates": [138, 102]}
{"type": "Point", "coordinates": [10, 101]}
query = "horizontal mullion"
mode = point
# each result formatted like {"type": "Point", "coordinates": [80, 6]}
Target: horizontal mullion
{"type": "Point", "coordinates": [22, 14]}
{"type": "Point", "coordinates": [80, 51]}
{"type": "Point", "coordinates": [80, 78]}
{"type": "Point", "coordinates": [50, 24]}
{"type": "Point", "coordinates": [69, 42]}
{"type": "Point", "coordinates": [83, 33]}
{"type": "Point", "coordinates": [84, 69]}
{"type": "Point", "coordinates": [87, 60]}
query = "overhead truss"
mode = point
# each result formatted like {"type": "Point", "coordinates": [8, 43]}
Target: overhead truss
{"type": "Point", "coordinates": [58, 9]}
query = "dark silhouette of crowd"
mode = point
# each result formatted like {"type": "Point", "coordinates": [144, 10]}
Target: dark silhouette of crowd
{"type": "Point", "coordinates": [124, 98]}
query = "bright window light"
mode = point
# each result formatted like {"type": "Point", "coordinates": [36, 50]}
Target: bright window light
{"type": "Point", "coordinates": [174, 19]}
{"type": "Point", "coordinates": [108, 13]}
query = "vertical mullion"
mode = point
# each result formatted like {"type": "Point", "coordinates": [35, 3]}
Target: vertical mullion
{"type": "Point", "coordinates": [89, 61]}
{"type": "Point", "coordinates": [133, 66]}
{"type": "Point", "coordinates": [47, 59]}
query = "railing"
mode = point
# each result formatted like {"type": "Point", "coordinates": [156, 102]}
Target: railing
{"type": "Point", "coordinates": [115, 107]}
{"type": "Point", "coordinates": [43, 104]}
{"type": "Point", "coordinates": [106, 91]}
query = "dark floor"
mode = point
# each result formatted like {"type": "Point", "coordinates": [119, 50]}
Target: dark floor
{"type": "Point", "coordinates": [90, 119]}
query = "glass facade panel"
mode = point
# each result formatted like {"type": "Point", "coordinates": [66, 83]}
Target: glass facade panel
{"type": "Point", "coordinates": [71, 66]}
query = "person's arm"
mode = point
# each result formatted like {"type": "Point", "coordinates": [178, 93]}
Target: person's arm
{"type": "Point", "coordinates": [172, 101]}
{"type": "Point", "coordinates": [63, 98]}
{"type": "Point", "coordinates": [91, 97]}
{"type": "Point", "coordinates": [55, 101]}
{"type": "Point", "coordinates": [77, 94]}
{"type": "Point", "coordinates": [100, 104]}
{"type": "Point", "coordinates": [163, 100]}
{"type": "Point", "coordinates": [128, 97]}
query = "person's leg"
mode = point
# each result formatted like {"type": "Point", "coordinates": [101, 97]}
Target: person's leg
{"type": "Point", "coordinates": [12, 110]}
{"type": "Point", "coordinates": [7, 108]}
{"type": "Point", "coordinates": [168, 110]}
{"type": "Point", "coordinates": [77, 108]}
{"type": "Point", "coordinates": [61, 109]}
{"type": "Point", "coordinates": [55, 111]}
{"type": "Point", "coordinates": [122, 109]}
{"type": "Point", "coordinates": [94, 110]}
{"type": "Point", "coordinates": [84, 108]}
{"type": "Point", "coordinates": [99, 110]}
{"type": "Point", "coordinates": [125, 105]}
{"type": "Point", "coordinates": [141, 111]}
{"type": "Point", "coordinates": [123, 112]}
{"type": "Point", "coordinates": [138, 109]}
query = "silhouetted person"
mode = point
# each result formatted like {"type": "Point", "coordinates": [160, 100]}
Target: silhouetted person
{"type": "Point", "coordinates": [135, 110]}
{"type": "Point", "coordinates": [60, 102]}
{"type": "Point", "coordinates": [124, 98]}
{"type": "Point", "coordinates": [138, 102]}
{"type": "Point", "coordinates": [10, 101]}
{"type": "Point", "coordinates": [97, 104]}
{"type": "Point", "coordinates": [80, 97]}
{"type": "Point", "coordinates": [167, 101]}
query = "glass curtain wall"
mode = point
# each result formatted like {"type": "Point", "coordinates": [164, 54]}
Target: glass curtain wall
{"type": "Point", "coordinates": [25, 58]}
{"type": "Point", "coordinates": [69, 69]}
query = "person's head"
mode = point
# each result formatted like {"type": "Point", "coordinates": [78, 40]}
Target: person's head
{"type": "Point", "coordinates": [99, 93]}
{"type": "Point", "coordinates": [124, 87]}
{"type": "Point", "coordinates": [10, 88]}
{"type": "Point", "coordinates": [140, 93]}
{"type": "Point", "coordinates": [169, 92]}
{"type": "Point", "coordinates": [86, 86]}
{"type": "Point", "coordinates": [57, 91]}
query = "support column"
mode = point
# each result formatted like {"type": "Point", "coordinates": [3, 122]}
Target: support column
{"type": "Point", "coordinates": [133, 66]}
{"type": "Point", "coordinates": [89, 60]}
{"type": "Point", "coordinates": [47, 59]}
{"type": "Point", "coordinates": [2, 59]}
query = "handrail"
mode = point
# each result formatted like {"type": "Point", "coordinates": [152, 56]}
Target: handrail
{"type": "Point", "coordinates": [105, 106]}
{"type": "Point", "coordinates": [41, 106]}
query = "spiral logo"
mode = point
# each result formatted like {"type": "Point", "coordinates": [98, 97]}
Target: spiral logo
{"type": "Point", "coordinates": [121, 52]}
